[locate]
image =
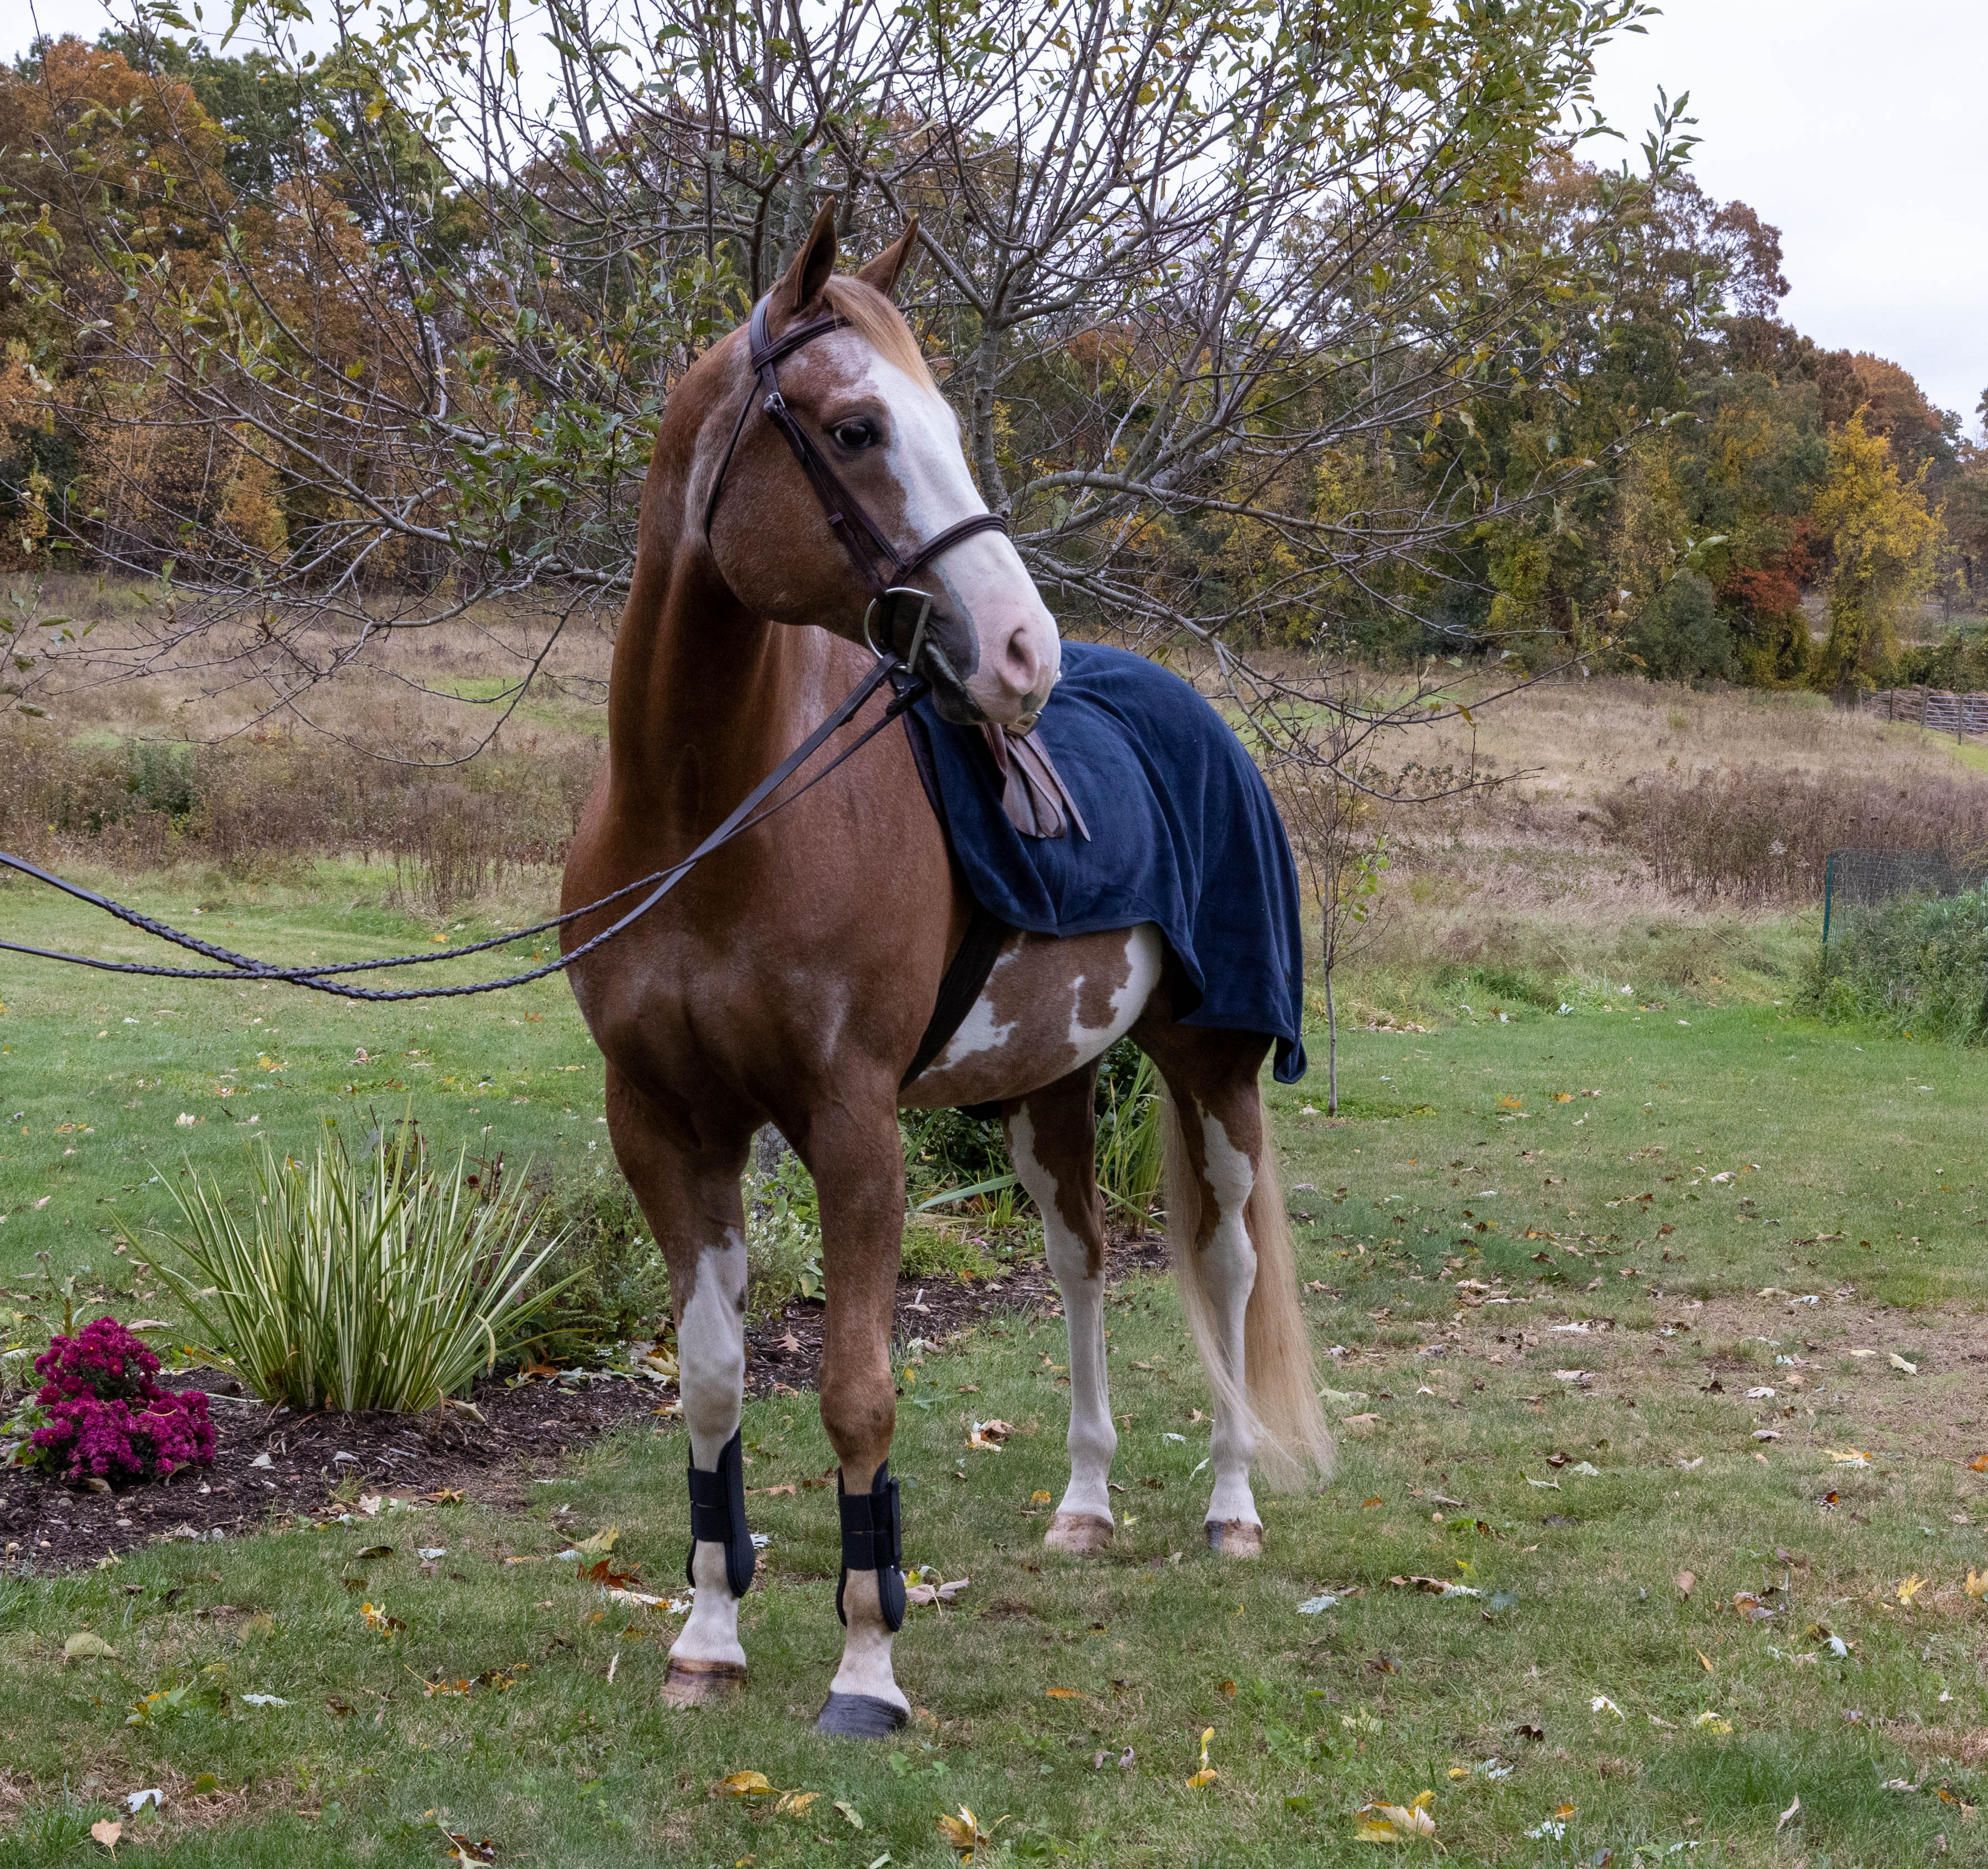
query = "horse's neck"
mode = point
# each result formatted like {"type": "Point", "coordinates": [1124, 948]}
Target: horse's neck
{"type": "Point", "coordinates": [706, 699]}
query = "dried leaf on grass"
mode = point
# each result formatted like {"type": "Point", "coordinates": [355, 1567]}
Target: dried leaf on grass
{"type": "Point", "coordinates": [965, 1834]}
{"type": "Point", "coordinates": [107, 1833]}
{"type": "Point", "coordinates": [1396, 1823]}
{"type": "Point", "coordinates": [987, 1436]}
{"type": "Point", "coordinates": [1207, 1775]}
{"type": "Point", "coordinates": [87, 1645]}
{"type": "Point", "coordinates": [745, 1785]}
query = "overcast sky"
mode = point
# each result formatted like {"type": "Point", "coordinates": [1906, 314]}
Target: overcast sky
{"type": "Point", "coordinates": [1853, 126]}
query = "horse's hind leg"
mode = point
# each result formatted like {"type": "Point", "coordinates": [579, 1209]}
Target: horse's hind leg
{"type": "Point", "coordinates": [689, 1188]}
{"type": "Point", "coordinates": [1052, 1138]}
{"type": "Point", "coordinates": [1212, 1169]}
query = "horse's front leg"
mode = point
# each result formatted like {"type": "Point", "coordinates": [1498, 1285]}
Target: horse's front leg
{"type": "Point", "coordinates": [1052, 1139]}
{"type": "Point", "coordinates": [858, 1164]}
{"type": "Point", "coordinates": [689, 1188]}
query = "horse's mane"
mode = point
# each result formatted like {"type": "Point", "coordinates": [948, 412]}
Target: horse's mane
{"type": "Point", "coordinates": [879, 323]}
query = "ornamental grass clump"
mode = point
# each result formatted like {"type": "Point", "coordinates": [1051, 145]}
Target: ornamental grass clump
{"type": "Point", "coordinates": [357, 1284]}
{"type": "Point", "coordinates": [99, 1415]}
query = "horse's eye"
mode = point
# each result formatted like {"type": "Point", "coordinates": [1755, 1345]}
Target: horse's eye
{"type": "Point", "coordinates": [855, 435]}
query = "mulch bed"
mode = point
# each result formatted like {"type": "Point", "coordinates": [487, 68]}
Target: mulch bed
{"type": "Point", "coordinates": [527, 1430]}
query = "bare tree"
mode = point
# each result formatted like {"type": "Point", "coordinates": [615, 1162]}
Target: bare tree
{"type": "Point", "coordinates": [1211, 283]}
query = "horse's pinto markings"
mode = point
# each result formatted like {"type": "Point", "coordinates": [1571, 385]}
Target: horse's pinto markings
{"type": "Point", "coordinates": [1048, 1006]}
{"type": "Point", "coordinates": [789, 979]}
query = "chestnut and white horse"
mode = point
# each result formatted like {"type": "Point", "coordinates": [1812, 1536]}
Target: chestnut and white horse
{"type": "Point", "coordinates": [789, 978]}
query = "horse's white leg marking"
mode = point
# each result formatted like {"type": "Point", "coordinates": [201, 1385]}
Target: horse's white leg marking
{"type": "Point", "coordinates": [711, 1358]}
{"type": "Point", "coordinates": [866, 1647]}
{"type": "Point", "coordinates": [1092, 1441]}
{"type": "Point", "coordinates": [1143, 953]}
{"type": "Point", "coordinates": [1228, 1273]}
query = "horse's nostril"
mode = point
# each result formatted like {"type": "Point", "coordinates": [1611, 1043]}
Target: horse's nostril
{"type": "Point", "coordinates": [1020, 665]}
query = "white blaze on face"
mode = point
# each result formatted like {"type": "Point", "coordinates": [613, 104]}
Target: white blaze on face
{"type": "Point", "coordinates": [982, 580]}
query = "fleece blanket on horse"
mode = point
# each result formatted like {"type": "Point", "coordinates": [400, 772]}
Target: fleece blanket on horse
{"type": "Point", "coordinates": [1182, 834]}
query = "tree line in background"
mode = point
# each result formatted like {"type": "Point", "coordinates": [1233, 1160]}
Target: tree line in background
{"type": "Point", "coordinates": [1302, 326]}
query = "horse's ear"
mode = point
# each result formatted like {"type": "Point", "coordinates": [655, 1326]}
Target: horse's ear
{"type": "Point", "coordinates": [883, 271]}
{"type": "Point", "coordinates": [800, 285]}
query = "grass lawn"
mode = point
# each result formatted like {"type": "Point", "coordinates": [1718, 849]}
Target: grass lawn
{"type": "Point", "coordinates": [1748, 1202]}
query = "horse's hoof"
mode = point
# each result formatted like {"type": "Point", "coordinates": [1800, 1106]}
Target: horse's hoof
{"type": "Point", "coordinates": [1079, 1531]}
{"type": "Point", "coordinates": [1235, 1537]}
{"type": "Point", "coordinates": [696, 1684]}
{"type": "Point", "coordinates": [861, 1716]}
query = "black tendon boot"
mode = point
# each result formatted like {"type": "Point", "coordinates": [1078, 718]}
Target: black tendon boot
{"type": "Point", "coordinates": [717, 1517]}
{"type": "Point", "coordinates": [872, 1540]}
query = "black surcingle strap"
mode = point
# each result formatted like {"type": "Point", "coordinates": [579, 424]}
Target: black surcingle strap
{"type": "Point", "coordinates": [872, 1539]}
{"type": "Point", "coordinates": [717, 1517]}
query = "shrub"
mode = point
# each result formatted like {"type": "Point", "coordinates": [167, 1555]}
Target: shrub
{"type": "Point", "coordinates": [1916, 966]}
{"type": "Point", "coordinates": [368, 1284]}
{"type": "Point", "coordinates": [1680, 635]}
{"type": "Point", "coordinates": [1761, 835]}
{"type": "Point", "coordinates": [615, 1285]}
{"type": "Point", "coordinates": [99, 1413]}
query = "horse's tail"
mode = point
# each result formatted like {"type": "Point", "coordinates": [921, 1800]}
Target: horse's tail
{"type": "Point", "coordinates": [1278, 1401]}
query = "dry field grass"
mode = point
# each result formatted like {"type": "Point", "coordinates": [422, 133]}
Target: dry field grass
{"type": "Point", "coordinates": [1577, 863]}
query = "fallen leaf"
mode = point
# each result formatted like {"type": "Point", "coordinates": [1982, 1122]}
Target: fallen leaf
{"type": "Point", "coordinates": [1686, 1581]}
{"type": "Point", "coordinates": [1208, 1774]}
{"type": "Point", "coordinates": [599, 1544]}
{"type": "Point", "coordinates": [1712, 1723]}
{"type": "Point", "coordinates": [1848, 1456]}
{"type": "Point", "coordinates": [465, 1852]}
{"type": "Point", "coordinates": [745, 1785]}
{"type": "Point", "coordinates": [1395, 1822]}
{"type": "Point", "coordinates": [1898, 1362]}
{"type": "Point", "coordinates": [107, 1833]}
{"type": "Point", "coordinates": [372, 1551]}
{"type": "Point", "coordinates": [1041, 1496]}
{"type": "Point", "coordinates": [850, 1815]}
{"type": "Point", "coordinates": [1910, 1588]}
{"type": "Point", "coordinates": [1602, 1704]}
{"type": "Point", "coordinates": [1360, 1424]}
{"type": "Point", "coordinates": [965, 1834]}
{"type": "Point", "coordinates": [1062, 1694]}
{"type": "Point", "coordinates": [87, 1645]}
{"type": "Point", "coordinates": [1977, 1582]}
{"type": "Point", "coordinates": [794, 1803]}
{"type": "Point", "coordinates": [1750, 1607]}
{"type": "Point", "coordinates": [1788, 1816]}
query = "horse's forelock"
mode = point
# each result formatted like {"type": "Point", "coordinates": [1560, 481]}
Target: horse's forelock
{"type": "Point", "coordinates": [881, 326]}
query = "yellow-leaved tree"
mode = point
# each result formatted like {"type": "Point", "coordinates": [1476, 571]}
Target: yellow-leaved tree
{"type": "Point", "coordinates": [1882, 539]}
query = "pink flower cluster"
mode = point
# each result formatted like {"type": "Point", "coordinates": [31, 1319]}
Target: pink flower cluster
{"type": "Point", "coordinates": [101, 1413]}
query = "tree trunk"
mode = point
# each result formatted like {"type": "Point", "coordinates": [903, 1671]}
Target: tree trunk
{"type": "Point", "coordinates": [1331, 1050]}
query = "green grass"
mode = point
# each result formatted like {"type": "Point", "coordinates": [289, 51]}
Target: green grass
{"type": "Point", "coordinates": [1825, 1132]}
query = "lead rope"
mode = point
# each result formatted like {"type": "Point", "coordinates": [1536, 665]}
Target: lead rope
{"type": "Point", "coordinates": [743, 817]}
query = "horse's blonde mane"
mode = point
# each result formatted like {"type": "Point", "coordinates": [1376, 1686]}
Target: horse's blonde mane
{"type": "Point", "coordinates": [881, 326]}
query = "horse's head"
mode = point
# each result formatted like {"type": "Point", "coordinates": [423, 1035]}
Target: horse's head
{"type": "Point", "coordinates": [864, 403]}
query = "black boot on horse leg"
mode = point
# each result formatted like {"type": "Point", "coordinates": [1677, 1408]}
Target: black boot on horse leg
{"type": "Point", "coordinates": [861, 1175]}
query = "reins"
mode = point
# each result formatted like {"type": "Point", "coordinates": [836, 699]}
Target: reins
{"type": "Point", "coordinates": [320, 979]}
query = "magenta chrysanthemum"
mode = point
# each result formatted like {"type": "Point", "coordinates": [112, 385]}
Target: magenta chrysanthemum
{"type": "Point", "coordinates": [103, 1416]}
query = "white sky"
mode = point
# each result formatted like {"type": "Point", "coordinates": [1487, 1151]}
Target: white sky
{"type": "Point", "coordinates": [1853, 126]}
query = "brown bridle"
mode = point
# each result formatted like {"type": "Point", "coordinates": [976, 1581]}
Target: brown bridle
{"type": "Point", "coordinates": [861, 537]}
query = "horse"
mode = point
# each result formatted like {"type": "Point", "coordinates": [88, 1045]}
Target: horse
{"type": "Point", "coordinates": [788, 981]}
